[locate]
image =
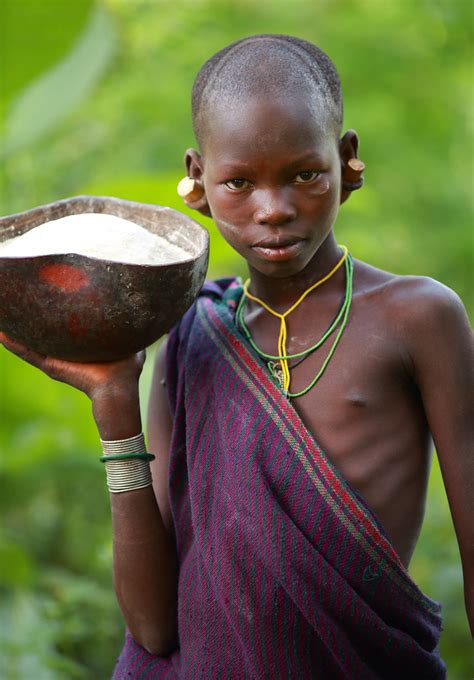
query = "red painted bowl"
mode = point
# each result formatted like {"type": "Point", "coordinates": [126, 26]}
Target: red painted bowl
{"type": "Point", "coordinates": [87, 309]}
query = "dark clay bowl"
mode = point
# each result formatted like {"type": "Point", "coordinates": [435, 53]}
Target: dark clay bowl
{"type": "Point", "coordinates": [86, 309]}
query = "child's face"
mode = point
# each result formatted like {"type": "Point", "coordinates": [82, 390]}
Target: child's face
{"type": "Point", "coordinates": [272, 173]}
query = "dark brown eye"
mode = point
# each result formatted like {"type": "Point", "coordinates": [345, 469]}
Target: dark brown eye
{"type": "Point", "coordinates": [237, 183]}
{"type": "Point", "coordinates": [306, 176]}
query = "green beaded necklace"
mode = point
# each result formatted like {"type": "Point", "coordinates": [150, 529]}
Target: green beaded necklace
{"type": "Point", "coordinates": [343, 315]}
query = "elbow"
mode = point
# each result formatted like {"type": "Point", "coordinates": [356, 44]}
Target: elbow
{"type": "Point", "coordinates": [162, 646]}
{"type": "Point", "coordinates": [155, 641]}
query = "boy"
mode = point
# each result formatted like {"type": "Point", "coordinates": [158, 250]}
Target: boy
{"type": "Point", "coordinates": [261, 553]}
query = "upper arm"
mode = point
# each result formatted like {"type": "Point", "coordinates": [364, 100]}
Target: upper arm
{"type": "Point", "coordinates": [159, 428]}
{"type": "Point", "coordinates": [441, 347]}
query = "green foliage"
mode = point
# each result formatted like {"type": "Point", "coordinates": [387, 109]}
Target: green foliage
{"type": "Point", "coordinates": [44, 103]}
{"type": "Point", "coordinates": [35, 37]}
{"type": "Point", "coordinates": [110, 115]}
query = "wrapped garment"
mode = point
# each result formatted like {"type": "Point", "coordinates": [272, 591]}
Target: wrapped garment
{"type": "Point", "coordinates": [284, 571]}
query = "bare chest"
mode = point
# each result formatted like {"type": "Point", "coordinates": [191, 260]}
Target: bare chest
{"type": "Point", "coordinates": [364, 411]}
{"type": "Point", "coordinates": [345, 380]}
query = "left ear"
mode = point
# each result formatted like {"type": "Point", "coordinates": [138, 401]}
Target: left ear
{"type": "Point", "coordinates": [351, 167]}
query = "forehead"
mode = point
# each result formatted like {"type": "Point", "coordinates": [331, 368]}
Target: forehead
{"type": "Point", "coordinates": [267, 127]}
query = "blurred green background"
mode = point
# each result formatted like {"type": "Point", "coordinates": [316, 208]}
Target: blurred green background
{"type": "Point", "coordinates": [95, 99]}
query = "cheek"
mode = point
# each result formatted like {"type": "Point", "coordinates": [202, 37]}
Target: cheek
{"type": "Point", "coordinates": [322, 186]}
{"type": "Point", "coordinates": [232, 212]}
{"type": "Point", "coordinates": [233, 236]}
{"type": "Point", "coordinates": [329, 184]}
{"type": "Point", "coordinates": [320, 206]}
{"type": "Point", "coordinates": [327, 192]}
{"type": "Point", "coordinates": [229, 230]}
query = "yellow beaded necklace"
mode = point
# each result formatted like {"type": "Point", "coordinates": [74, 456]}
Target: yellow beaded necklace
{"type": "Point", "coordinates": [283, 329]}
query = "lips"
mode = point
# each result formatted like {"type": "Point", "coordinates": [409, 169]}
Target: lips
{"type": "Point", "coordinates": [281, 242]}
{"type": "Point", "coordinates": [279, 250]}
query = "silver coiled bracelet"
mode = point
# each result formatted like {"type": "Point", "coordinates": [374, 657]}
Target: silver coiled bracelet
{"type": "Point", "coordinates": [127, 464]}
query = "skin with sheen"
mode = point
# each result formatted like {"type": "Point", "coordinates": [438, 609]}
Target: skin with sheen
{"type": "Point", "coordinates": [400, 377]}
{"type": "Point", "coordinates": [272, 178]}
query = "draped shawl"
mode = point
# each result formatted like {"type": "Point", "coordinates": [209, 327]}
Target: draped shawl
{"type": "Point", "coordinates": [284, 572]}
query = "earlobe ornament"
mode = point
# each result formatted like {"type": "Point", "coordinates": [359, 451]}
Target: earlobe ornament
{"type": "Point", "coordinates": [190, 190]}
{"type": "Point", "coordinates": [352, 175]}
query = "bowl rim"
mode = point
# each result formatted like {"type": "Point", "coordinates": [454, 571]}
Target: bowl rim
{"type": "Point", "coordinates": [19, 223]}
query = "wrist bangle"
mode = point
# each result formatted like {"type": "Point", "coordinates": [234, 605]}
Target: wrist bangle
{"type": "Point", "coordinates": [127, 464]}
{"type": "Point", "coordinates": [134, 444]}
{"type": "Point", "coordinates": [126, 456]}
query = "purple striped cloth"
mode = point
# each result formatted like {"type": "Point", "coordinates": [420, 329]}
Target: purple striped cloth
{"type": "Point", "coordinates": [284, 571]}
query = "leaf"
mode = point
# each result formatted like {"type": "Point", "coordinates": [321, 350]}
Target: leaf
{"type": "Point", "coordinates": [33, 37]}
{"type": "Point", "coordinates": [44, 103]}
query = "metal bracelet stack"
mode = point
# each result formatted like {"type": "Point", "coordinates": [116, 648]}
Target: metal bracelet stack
{"type": "Point", "coordinates": [127, 464]}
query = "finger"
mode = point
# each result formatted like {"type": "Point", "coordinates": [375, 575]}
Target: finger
{"type": "Point", "coordinates": [21, 351]}
{"type": "Point", "coordinates": [12, 345]}
{"type": "Point", "coordinates": [57, 369]}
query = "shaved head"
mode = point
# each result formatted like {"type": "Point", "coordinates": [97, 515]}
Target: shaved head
{"type": "Point", "coordinates": [274, 66]}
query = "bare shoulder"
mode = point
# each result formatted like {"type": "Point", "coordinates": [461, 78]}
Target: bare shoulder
{"type": "Point", "coordinates": [423, 320]}
{"type": "Point", "coordinates": [409, 301]}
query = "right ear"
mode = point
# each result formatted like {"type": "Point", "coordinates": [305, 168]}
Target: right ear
{"type": "Point", "coordinates": [351, 166]}
{"type": "Point", "coordinates": [194, 167]}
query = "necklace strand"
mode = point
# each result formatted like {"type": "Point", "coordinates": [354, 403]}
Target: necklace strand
{"type": "Point", "coordinates": [283, 328]}
{"type": "Point", "coordinates": [283, 356]}
{"type": "Point", "coordinates": [307, 352]}
{"type": "Point", "coordinates": [277, 357]}
{"type": "Point", "coordinates": [292, 395]}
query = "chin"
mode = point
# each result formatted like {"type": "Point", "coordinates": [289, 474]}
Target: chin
{"type": "Point", "coordinates": [279, 270]}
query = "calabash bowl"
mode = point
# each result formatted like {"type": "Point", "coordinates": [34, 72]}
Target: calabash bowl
{"type": "Point", "coordinates": [87, 309]}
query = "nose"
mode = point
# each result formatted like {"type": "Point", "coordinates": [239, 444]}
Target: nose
{"type": "Point", "coordinates": [273, 207]}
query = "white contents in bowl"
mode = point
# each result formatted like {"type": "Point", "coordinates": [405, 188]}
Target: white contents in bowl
{"type": "Point", "coordinates": [99, 235]}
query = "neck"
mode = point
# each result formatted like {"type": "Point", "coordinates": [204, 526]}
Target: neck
{"type": "Point", "coordinates": [281, 293]}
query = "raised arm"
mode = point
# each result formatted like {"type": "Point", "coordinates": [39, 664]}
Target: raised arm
{"type": "Point", "coordinates": [441, 346]}
{"type": "Point", "coordinates": [145, 566]}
